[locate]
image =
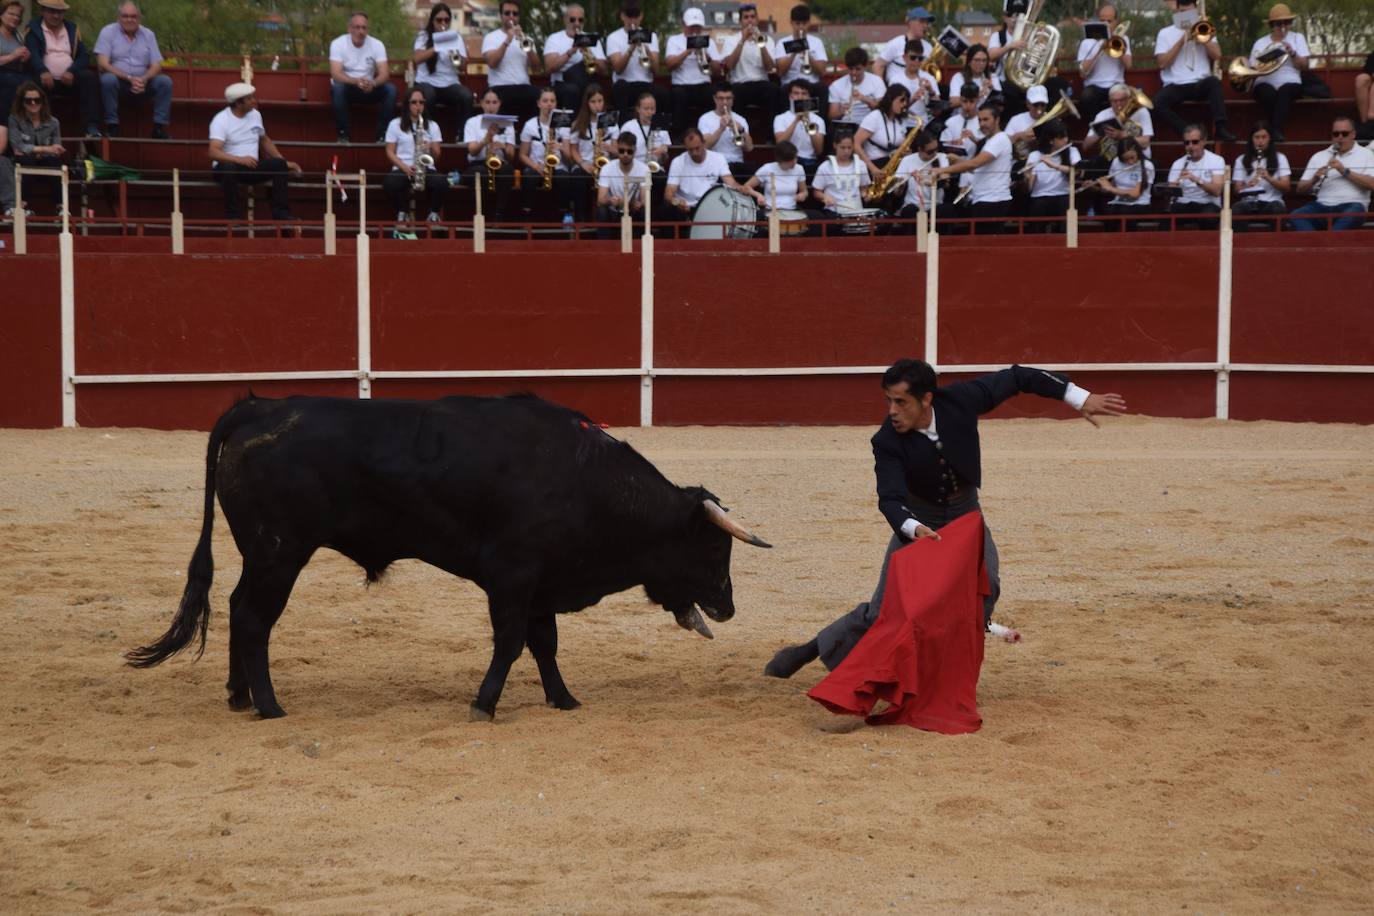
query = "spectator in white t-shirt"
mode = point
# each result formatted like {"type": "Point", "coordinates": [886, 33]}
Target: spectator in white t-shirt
{"type": "Point", "coordinates": [692, 174]}
{"type": "Point", "coordinates": [1200, 176]}
{"type": "Point", "coordinates": [891, 57]}
{"type": "Point", "coordinates": [1261, 175]}
{"type": "Point", "coordinates": [407, 138]}
{"type": "Point", "coordinates": [1277, 91]}
{"type": "Point", "coordinates": [509, 65]}
{"type": "Point", "coordinates": [858, 92]}
{"type": "Point", "coordinates": [1342, 176]}
{"type": "Point", "coordinates": [747, 58]}
{"type": "Point", "coordinates": [990, 165]}
{"type": "Point", "coordinates": [622, 184]}
{"type": "Point", "coordinates": [792, 126]}
{"type": "Point", "coordinates": [242, 153]}
{"type": "Point", "coordinates": [1185, 66]}
{"type": "Point", "coordinates": [435, 73]}
{"type": "Point", "coordinates": [691, 70]}
{"type": "Point", "coordinates": [1099, 70]}
{"type": "Point", "coordinates": [359, 75]}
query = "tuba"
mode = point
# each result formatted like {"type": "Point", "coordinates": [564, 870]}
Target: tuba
{"type": "Point", "coordinates": [1137, 101]}
{"type": "Point", "coordinates": [886, 181]}
{"type": "Point", "coordinates": [1030, 66]}
{"type": "Point", "coordinates": [1242, 75]}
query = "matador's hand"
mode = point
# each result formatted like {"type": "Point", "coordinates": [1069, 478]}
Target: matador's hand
{"type": "Point", "coordinates": [1099, 405]}
{"type": "Point", "coordinates": [923, 532]}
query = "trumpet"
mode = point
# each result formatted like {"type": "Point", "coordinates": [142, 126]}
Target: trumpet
{"type": "Point", "coordinates": [526, 42]}
{"type": "Point", "coordinates": [807, 70]}
{"type": "Point", "coordinates": [642, 55]}
{"type": "Point", "coordinates": [702, 63]}
{"type": "Point", "coordinates": [760, 39]}
{"type": "Point", "coordinates": [736, 135]}
{"type": "Point", "coordinates": [588, 59]}
{"type": "Point", "coordinates": [1116, 45]}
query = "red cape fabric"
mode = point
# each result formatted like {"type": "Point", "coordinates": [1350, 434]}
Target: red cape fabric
{"type": "Point", "coordinates": [923, 653]}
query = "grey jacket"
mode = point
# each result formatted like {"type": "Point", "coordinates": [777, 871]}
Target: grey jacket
{"type": "Point", "coordinates": [24, 136]}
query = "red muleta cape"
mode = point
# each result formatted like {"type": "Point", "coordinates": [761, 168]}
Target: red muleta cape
{"type": "Point", "coordinates": [923, 653]}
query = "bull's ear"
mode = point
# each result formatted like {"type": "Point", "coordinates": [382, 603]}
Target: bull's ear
{"type": "Point", "coordinates": [718, 517]}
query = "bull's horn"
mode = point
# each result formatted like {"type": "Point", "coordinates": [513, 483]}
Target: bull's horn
{"type": "Point", "coordinates": [690, 619]}
{"type": "Point", "coordinates": [719, 517]}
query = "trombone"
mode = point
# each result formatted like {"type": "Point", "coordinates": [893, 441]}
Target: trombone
{"type": "Point", "coordinates": [1204, 30]}
{"type": "Point", "coordinates": [1116, 45]}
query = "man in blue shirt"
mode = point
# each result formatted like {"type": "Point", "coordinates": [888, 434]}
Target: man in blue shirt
{"type": "Point", "coordinates": [130, 67]}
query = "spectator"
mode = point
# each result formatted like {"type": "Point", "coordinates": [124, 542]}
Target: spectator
{"type": "Point", "coordinates": [6, 172]}
{"type": "Point", "coordinates": [436, 74]}
{"type": "Point", "coordinates": [1277, 91]}
{"type": "Point", "coordinates": [131, 66]}
{"type": "Point", "coordinates": [508, 63]}
{"type": "Point", "coordinates": [1199, 174]}
{"type": "Point", "coordinates": [1186, 70]}
{"type": "Point", "coordinates": [58, 59]}
{"type": "Point", "coordinates": [36, 138]}
{"type": "Point", "coordinates": [242, 153]}
{"type": "Point", "coordinates": [691, 71]}
{"type": "Point", "coordinates": [1341, 176]}
{"type": "Point", "coordinates": [14, 55]}
{"type": "Point", "coordinates": [359, 75]}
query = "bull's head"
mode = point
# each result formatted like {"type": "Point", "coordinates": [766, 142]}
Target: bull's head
{"type": "Point", "coordinates": [700, 579]}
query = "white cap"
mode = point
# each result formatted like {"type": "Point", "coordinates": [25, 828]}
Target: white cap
{"type": "Point", "coordinates": [238, 91]}
{"type": "Point", "coordinates": [693, 16]}
{"type": "Point", "coordinates": [1037, 95]}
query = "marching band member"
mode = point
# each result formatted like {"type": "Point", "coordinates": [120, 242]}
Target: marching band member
{"type": "Point", "coordinates": [919, 168]}
{"type": "Point", "coordinates": [621, 184]}
{"type": "Point", "coordinates": [508, 68]}
{"type": "Point", "coordinates": [651, 143]}
{"type": "Point", "coordinates": [483, 142]}
{"type": "Point", "coordinates": [961, 129]}
{"type": "Point", "coordinates": [407, 138]}
{"type": "Point", "coordinates": [691, 80]}
{"type": "Point", "coordinates": [1277, 91]}
{"type": "Point", "coordinates": [795, 65]}
{"type": "Point", "coordinates": [1186, 69]}
{"type": "Point", "coordinates": [853, 96]}
{"type": "Point", "coordinates": [990, 166]}
{"type": "Point", "coordinates": [783, 176]}
{"type": "Point", "coordinates": [587, 139]}
{"type": "Point", "coordinates": [1047, 175]}
{"type": "Point", "coordinates": [538, 138]}
{"type": "Point", "coordinates": [1200, 174]}
{"type": "Point", "coordinates": [1128, 183]}
{"type": "Point", "coordinates": [1341, 176]}
{"type": "Point", "coordinates": [1364, 95]}
{"type": "Point", "coordinates": [747, 58]}
{"type": "Point", "coordinates": [1261, 175]}
{"type": "Point", "coordinates": [791, 126]}
{"type": "Point", "coordinates": [691, 175]}
{"type": "Point", "coordinates": [727, 133]}
{"type": "Point", "coordinates": [889, 62]}
{"type": "Point", "coordinates": [883, 130]}
{"type": "Point", "coordinates": [435, 73]}
{"type": "Point", "coordinates": [925, 92]}
{"type": "Point", "coordinates": [1101, 71]}
{"type": "Point", "coordinates": [1019, 125]}
{"type": "Point", "coordinates": [1117, 99]}
{"type": "Point", "coordinates": [841, 178]}
{"type": "Point", "coordinates": [633, 64]}
{"type": "Point", "coordinates": [976, 71]}
{"type": "Point", "coordinates": [999, 44]}
{"type": "Point", "coordinates": [566, 63]}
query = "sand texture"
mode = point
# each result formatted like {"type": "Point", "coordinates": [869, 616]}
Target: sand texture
{"type": "Point", "coordinates": [1186, 727]}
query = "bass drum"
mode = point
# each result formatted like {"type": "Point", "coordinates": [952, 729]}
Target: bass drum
{"type": "Point", "coordinates": [724, 213]}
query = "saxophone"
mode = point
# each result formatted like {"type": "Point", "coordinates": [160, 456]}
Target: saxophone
{"type": "Point", "coordinates": [551, 158]}
{"type": "Point", "coordinates": [422, 161]}
{"type": "Point", "coordinates": [887, 177]}
{"type": "Point", "coordinates": [1030, 66]}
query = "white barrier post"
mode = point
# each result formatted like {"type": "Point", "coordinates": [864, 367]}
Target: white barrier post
{"type": "Point", "coordinates": [921, 227]}
{"type": "Point", "coordinates": [1071, 226]}
{"type": "Point", "coordinates": [646, 311]}
{"type": "Point", "coordinates": [178, 228]}
{"type": "Point", "coordinates": [67, 268]}
{"type": "Point", "coordinates": [1224, 267]}
{"type": "Point", "coordinates": [331, 241]}
{"type": "Point", "coordinates": [932, 283]}
{"type": "Point", "coordinates": [479, 222]}
{"type": "Point", "coordinates": [364, 255]}
{"type": "Point", "coordinates": [627, 226]}
{"type": "Point", "coordinates": [21, 222]}
{"type": "Point", "coordinates": [773, 229]}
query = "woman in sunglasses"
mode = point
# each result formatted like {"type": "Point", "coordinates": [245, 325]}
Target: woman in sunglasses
{"type": "Point", "coordinates": [35, 137]}
{"type": "Point", "coordinates": [440, 56]}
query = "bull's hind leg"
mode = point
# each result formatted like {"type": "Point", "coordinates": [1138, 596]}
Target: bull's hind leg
{"type": "Point", "coordinates": [543, 643]}
{"type": "Point", "coordinates": [239, 695]}
{"type": "Point", "coordinates": [508, 624]}
{"type": "Point", "coordinates": [262, 593]}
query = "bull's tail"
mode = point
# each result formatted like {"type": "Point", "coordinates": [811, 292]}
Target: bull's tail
{"type": "Point", "coordinates": [193, 614]}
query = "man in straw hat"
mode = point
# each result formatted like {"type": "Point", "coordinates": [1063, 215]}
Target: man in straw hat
{"type": "Point", "coordinates": [241, 152]}
{"type": "Point", "coordinates": [1276, 91]}
{"type": "Point", "coordinates": [60, 61]}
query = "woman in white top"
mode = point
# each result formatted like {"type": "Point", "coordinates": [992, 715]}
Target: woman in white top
{"type": "Point", "coordinates": [783, 177]}
{"type": "Point", "coordinates": [651, 143]}
{"type": "Point", "coordinates": [407, 138]}
{"type": "Point", "coordinates": [883, 130]}
{"type": "Point", "coordinates": [484, 141]}
{"type": "Point", "coordinates": [916, 169]}
{"type": "Point", "coordinates": [539, 138]}
{"type": "Point", "coordinates": [840, 179]}
{"type": "Point", "coordinates": [1261, 175]}
{"type": "Point", "coordinates": [976, 70]}
{"type": "Point", "coordinates": [435, 73]}
{"type": "Point", "coordinates": [1047, 175]}
{"type": "Point", "coordinates": [1128, 183]}
{"type": "Point", "coordinates": [586, 141]}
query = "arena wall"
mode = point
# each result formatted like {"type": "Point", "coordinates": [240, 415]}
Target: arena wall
{"type": "Point", "coordinates": [738, 336]}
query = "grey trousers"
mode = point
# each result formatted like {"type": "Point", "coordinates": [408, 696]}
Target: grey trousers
{"type": "Point", "coordinates": [839, 638]}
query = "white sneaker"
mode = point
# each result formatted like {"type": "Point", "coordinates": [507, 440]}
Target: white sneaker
{"type": "Point", "coordinates": [433, 216]}
{"type": "Point", "coordinates": [402, 216]}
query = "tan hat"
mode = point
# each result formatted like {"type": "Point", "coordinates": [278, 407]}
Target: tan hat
{"type": "Point", "coordinates": [238, 91]}
{"type": "Point", "coordinates": [54, 4]}
{"type": "Point", "coordinates": [1280, 12]}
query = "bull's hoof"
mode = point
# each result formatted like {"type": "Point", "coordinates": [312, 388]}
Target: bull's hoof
{"type": "Point", "coordinates": [272, 712]}
{"type": "Point", "coordinates": [240, 701]}
{"type": "Point", "coordinates": [568, 702]}
{"type": "Point", "coordinates": [478, 714]}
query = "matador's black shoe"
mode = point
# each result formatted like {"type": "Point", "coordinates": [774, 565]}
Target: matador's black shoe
{"type": "Point", "coordinates": [792, 659]}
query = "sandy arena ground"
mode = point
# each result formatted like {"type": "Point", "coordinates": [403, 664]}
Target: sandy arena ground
{"type": "Point", "coordinates": [1186, 728]}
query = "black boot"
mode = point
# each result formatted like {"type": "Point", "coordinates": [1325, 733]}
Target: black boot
{"type": "Point", "coordinates": [792, 659]}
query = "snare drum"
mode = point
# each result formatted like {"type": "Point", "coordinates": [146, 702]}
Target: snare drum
{"type": "Point", "coordinates": [859, 222]}
{"type": "Point", "coordinates": [791, 222]}
{"type": "Point", "coordinates": [722, 205]}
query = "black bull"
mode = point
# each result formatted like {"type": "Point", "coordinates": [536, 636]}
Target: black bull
{"type": "Point", "coordinates": [529, 500]}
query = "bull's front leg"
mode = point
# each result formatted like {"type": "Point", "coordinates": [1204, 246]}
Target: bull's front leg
{"type": "Point", "coordinates": [508, 624]}
{"type": "Point", "coordinates": [543, 643]}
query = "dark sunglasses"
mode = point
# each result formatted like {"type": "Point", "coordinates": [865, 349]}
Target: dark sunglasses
{"type": "Point", "coordinates": [33, 100]}
{"type": "Point", "coordinates": [577, 19]}
{"type": "Point", "coordinates": [625, 152]}
{"type": "Point", "coordinates": [1341, 133]}
{"type": "Point", "coordinates": [915, 57]}
{"type": "Point", "coordinates": [1192, 142]}
{"type": "Point", "coordinates": [443, 19]}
